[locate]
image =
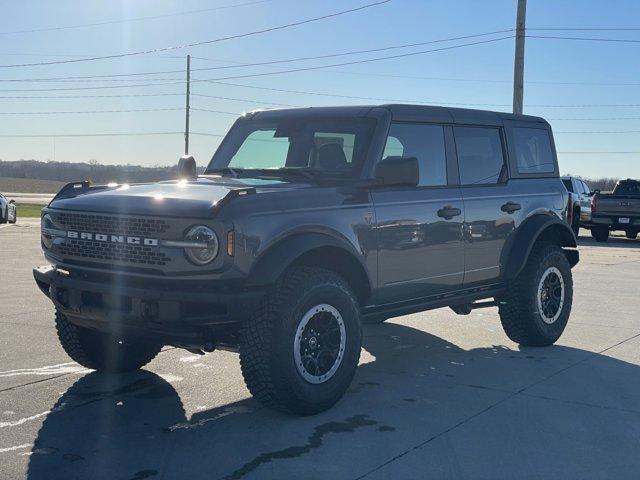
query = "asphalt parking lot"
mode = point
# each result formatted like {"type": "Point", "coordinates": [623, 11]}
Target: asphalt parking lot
{"type": "Point", "coordinates": [436, 396]}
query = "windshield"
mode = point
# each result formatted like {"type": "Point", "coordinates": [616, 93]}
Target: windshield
{"type": "Point", "coordinates": [335, 146]}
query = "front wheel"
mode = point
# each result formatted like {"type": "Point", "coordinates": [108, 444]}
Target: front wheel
{"type": "Point", "coordinates": [300, 350]}
{"type": "Point", "coordinates": [103, 352]}
{"type": "Point", "coordinates": [536, 307]}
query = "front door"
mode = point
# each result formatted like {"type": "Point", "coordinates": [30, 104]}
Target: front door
{"type": "Point", "coordinates": [419, 229]}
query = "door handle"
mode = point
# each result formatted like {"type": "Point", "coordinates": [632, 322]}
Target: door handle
{"type": "Point", "coordinates": [449, 212]}
{"type": "Point", "coordinates": [510, 207]}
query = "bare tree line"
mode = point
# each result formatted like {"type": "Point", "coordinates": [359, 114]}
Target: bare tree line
{"type": "Point", "coordinates": [92, 170]}
{"type": "Point", "coordinates": [98, 173]}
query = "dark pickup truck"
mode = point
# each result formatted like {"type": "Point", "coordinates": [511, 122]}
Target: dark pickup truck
{"type": "Point", "coordinates": [306, 224]}
{"type": "Point", "coordinates": [619, 210]}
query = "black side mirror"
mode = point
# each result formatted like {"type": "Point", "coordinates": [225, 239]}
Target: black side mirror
{"type": "Point", "coordinates": [12, 201]}
{"type": "Point", "coordinates": [187, 167]}
{"type": "Point", "coordinates": [595, 192]}
{"type": "Point", "coordinates": [401, 171]}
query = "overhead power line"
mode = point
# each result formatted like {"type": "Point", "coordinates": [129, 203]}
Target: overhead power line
{"type": "Point", "coordinates": [602, 153]}
{"type": "Point", "coordinates": [122, 134]}
{"type": "Point", "coordinates": [242, 100]}
{"type": "Point", "coordinates": [136, 19]}
{"type": "Point", "coordinates": [215, 111]}
{"type": "Point", "coordinates": [601, 119]}
{"type": "Point", "coordinates": [253, 64]}
{"type": "Point", "coordinates": [134, 110]}
{"type": "Point", "coordinates": [103, 87]}
{"type": "Point", "coordinates": [124, 95]}
{"type": "Point", "coordinates": [356, 62]}
{"type": "Point", "coordinates": [585, 39]}
{"type": "Point", "coordinates": [204, 42]}
{"type": "Point", "coordinates": [601, 132]}
{"type": "Point", "coordinates": [397, 100]}
{"type": "Point", "coordinates": [587, 29]}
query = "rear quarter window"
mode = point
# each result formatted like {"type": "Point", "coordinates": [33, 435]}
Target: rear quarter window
{"type": "Point", "coordinates": [568, 185]}
{"type": "Point", "coordinates": [533, 150]}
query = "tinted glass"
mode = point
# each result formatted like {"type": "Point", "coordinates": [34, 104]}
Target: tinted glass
{"type": "Point", "coordinates": [568, 184]}
{"type": "Point", "coordinates": [426, 143]}
{"type": "Point", "coordinates": [533, 150]}
{"type": "Point", "coordinates": [337, 146]}
{"type": "Point", "coordinates": [480, 158]}
{"type": "Point", "coordinates": [627, 188]}
{"type": "Point", "coordinates": [587, 190]}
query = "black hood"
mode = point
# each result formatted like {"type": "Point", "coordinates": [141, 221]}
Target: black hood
{"type": "Point", "coordinates": [194, 198]}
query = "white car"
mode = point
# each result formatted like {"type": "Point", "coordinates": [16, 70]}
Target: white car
{"type": "Point", "coordinates": [7, 210]}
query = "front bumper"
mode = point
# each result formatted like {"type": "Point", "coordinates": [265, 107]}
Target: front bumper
{"type": "Point", "coordinates": [182, 313]}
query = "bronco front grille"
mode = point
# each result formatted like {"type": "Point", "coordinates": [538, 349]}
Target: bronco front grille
{"type": "Point", "coordinates": [131, 226]}
{"type": "Point", "coordinates": [139, 254]}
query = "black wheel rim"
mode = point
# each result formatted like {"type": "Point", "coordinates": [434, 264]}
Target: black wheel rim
{"type": "Point", "coordinates": [551, 295]}
{"type": "Point", "coordinates": [319, 343]}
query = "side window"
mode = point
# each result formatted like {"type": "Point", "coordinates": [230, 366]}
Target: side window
{"type": "Point", "coordinates": [480, 156]}
{"type": "Point", "coordinates": [533, 150]}
{"type": "Point", "coordinates": [587, 190]}
{"type": "Point", "coordinates": [568, 185]}
{"type": "Point", "coordinates": [426, 143]}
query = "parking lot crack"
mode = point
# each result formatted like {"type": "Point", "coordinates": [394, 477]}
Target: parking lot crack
{"type": "Point", "coordinates": [314, 441]}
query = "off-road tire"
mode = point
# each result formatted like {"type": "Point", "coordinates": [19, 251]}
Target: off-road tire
{"type": "Point", "coordinates": [99, 351]}
{"type": "Point", "coordinates": [575, 222]}
{"type": "Point", "coordinates": [631, 234]}
{"type": "Point", "coordinates": [519, 313]}
{"type": "Point", "coordinates": [601, 234]}
{"type": "Point", "coordinates": [267, 342]}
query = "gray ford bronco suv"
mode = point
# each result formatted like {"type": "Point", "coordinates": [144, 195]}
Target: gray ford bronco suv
{"type": "Point", "coordinates": [305, 224]}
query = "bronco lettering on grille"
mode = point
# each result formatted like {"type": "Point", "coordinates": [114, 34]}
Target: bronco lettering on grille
{"type": "Point", "coordinates": [101, 237]}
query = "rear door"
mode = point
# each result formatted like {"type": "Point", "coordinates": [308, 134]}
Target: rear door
{"type": "Point", "coordinates": [491, 204]}
{"type": "Point", "coordinates": [419, 229]}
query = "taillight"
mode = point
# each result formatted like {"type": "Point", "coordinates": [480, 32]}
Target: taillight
{"type": "Point", "coordinates": [594, 203]}
{"type": "Point", "coordinates": [569, 211]}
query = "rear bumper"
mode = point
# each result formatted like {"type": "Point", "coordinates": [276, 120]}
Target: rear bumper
{"type": "Point", "coordinates": [183, 313]}
{"type": "Point", "coordinates": [613, 221]}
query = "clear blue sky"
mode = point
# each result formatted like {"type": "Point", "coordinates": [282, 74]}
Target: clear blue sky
{"type": "Point", "coordinates": [479, 74]}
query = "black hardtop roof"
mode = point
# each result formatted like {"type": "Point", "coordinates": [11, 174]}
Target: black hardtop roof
{"type": "Point", "coordinates": [401, 112]}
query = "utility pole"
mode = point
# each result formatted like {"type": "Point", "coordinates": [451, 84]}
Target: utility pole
{"type": "Point", "coordinates": [186, 124]}
{"type": "Point", "coordinates": [518, 67]}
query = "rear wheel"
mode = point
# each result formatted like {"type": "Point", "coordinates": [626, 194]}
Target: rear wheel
{"type": "Point", "coordinates": [103, 352]}
{"type": "Point", "coordinates": [601, 234]}
{"type": "Point", "coordinates": [536, 307]}
{"type": "Point", "coordinates": [300, 350]}
{"type": "Point", "coordinates": [632, 234]}
{"type": "Point", "coordinates": [575, 221]}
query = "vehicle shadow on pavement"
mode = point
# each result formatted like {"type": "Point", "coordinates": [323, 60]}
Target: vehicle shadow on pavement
{"type": "Point", "coordinates": [413, 391]}
{"type": "Point", "coordinates": [618, 242]}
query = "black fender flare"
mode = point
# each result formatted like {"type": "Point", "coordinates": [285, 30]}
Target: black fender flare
{"type": "Point", "coordinates": [538, 226]}
{"type": "Point", "coordinates": [283, 252]}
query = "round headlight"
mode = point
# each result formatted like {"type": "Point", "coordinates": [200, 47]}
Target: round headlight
{"type": "Point", "coordinates": [45, 225]}
{"type": "Point", "coordinates": [201, 255]}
